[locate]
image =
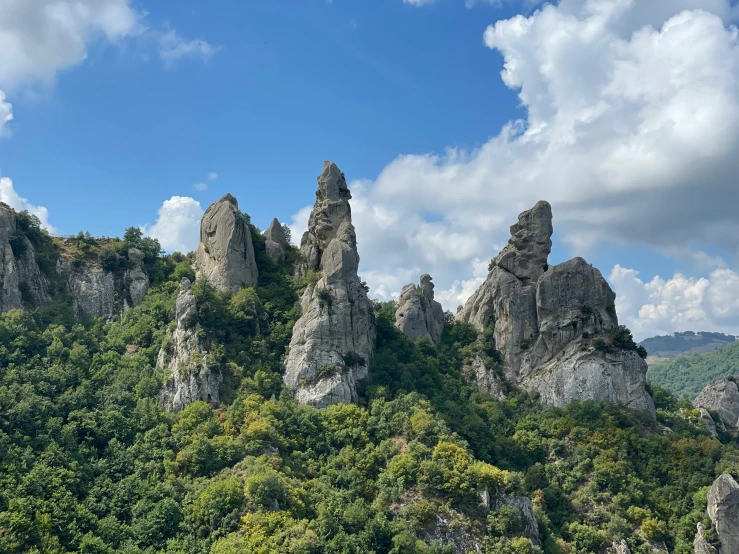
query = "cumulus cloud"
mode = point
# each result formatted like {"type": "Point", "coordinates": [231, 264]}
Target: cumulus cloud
{"type": "Point", "coordinates": [212, 176]}
{"type": "Point", "coordinates": [679, 303]}
{"type": "Point", "coordinates": [178, 226]}
{"type": "Point", "coordinates": [9, 196]}
{"type": "Point", "coordinates": [631, 132]}
{"type": "Point", "coordinates": [172, 47]}
{"type": "Point", "coordinates": [6, 115]}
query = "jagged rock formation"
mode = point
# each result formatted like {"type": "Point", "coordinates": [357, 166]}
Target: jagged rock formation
{"type": "Point", "coordinates": [225, 255]}
{"type": "Point", "coordinates": [22, 284]}
{"type": "Point", "coordinates": [723, 509]}
{"type": "Point", "coordinates": [418, 315]}
{"type": "Point", "coordinates": [545, 320]}
{"type": "Point", "coordinates": [700, 544]}
{"type": "Point", "coordinates": [185, 358]}
{"type": "Point", "coordinates": [485, 378]}
{"type": "Point", "coordinates": [530, 527]}
{"type": "Point", "coordinates": [92, 290]}
{"type": "Point", "coordinates": [722, 399]}
{"type": "Point", "coordinates": [136, 279]}
{"type": "Point", "coordinates": [275, 241]}
{"type": "Point", "coordinates": [620, 547]}
{"type": "Point", "coordinates": [708, 422]}
{"type": "Point", "coordinates": [332, 342]}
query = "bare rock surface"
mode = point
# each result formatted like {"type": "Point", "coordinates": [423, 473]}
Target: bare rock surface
{"type": "Point", "coordinates": [708, 422]}
{"type": "Point", "coordinates": [332, 342]}
{"type": "Point", "coordinates": [544, 320]}
{"type": "Point", "coordinates": [419, 316]}
{"type": "Point", "coordinates": [225, 255]}
{"type": "Point", "coordinates": [722, 399]}
{"type": "Point", "coordinates": [700, 544]}
{"type": "Point", "coordinates": [723, 509]}
{"type": "Point", "coordinates": [136, 279]}
{"type": "Point", "coordinates": [184, 358]}
{"type": "Point", "coordinates": [620, 547]}
{"type": "Point", "coordinates": [275, 241]}
{"type": "Point", "coordinates": [92, 290]}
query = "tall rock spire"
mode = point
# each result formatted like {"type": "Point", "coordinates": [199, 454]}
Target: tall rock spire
{"type": "Point", "coordinates": [419, 316]}
{"type": "Point", "coordinates": [225, 255]}
{"type": "Point", "coordinates": [332, 342]}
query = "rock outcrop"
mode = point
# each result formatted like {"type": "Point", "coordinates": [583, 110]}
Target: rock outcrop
{"type": "Point", "coordinates": [708, 422]}
{"type": "Point", "coordinates": [91, 289]}
{"type": "Point", "coordinates": [722, 399]}
{"type": "Point", "coordinates": [332, 342]}
{"type": "Point", "coordinates": [620, 547]}
{"type": "Point", "coordinates": [545, 322]}
{"type": "Point", "coordinates": [225, 255]}
{"type": "Point", "coordinates": [136, 279]}
{"type": "Point", "coordinates": [723, 509]}
{"type": "Point", "coordinates": [185, 359]}
{"type": "Point", "coordinates": [22, 283]}
{"type": "Point", "coordinates": [700, 544]}
{"type": "Point", "coordinates": [275, 241]}
{"type": "Point", "coordinates": [418, 315]}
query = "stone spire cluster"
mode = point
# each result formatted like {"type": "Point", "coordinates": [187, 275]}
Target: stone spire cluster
{"type": "Point", "coordinates": [419, 316]}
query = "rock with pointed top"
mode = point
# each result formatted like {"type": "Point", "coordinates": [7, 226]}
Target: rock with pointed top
{"type": "Point", "coordinates": [418, 315]}
{"type": "Point", "coordinates": [708, 422]}
{"type": "Point", "coordinates": [275, 241]}
{"type": "Point", "coordinates": [332, 342]}
{"type": "Point", "coordinates": [722, 399]}
{"type": "Point", "coordinates": [184, 358]}
{"type": "Point", "coordinates": [225, 255]}
{"type": "Point", "coordinates": [136, 279]}
{"type": "Point", "coordinates": [700, 544]}
{"type": "Point", "coordinates": [723, 509]}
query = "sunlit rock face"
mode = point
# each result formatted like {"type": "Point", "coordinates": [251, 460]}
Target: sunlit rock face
{"type": "Point", "coordinates": [419, 316]}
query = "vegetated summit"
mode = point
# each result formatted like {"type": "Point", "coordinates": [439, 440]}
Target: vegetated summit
{"type": "Point", "coordinates": [250, 397]}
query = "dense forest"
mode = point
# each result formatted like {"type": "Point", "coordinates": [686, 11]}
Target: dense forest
{"type": "Point", "coordinates": [91, 463]}
{"type": "Point", "coordinates": [687, 375]}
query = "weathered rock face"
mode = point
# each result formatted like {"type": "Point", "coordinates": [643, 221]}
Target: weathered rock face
{"type": "Point", "coordinates": [525, 507]}
{"type": "Point", "coordinates": [136, 280]}
{"type": "Point", "coordinates": [708, 422]}
{"type": "Point", "coordinates": [92, 290]}
{"type": "Point", "coordinates": [332, 342]}
{"type": "Point", "coordinates": [485, 377]}
{"type": "Point", "coordinates": [225, 255]}
{"type": "Point", "coordinates": [22, 284]}
{"type": "Point", "coordinates": [544, 319]}
{"type": "Point", "coordinates": [700, 544]}
{"type": "Point", "coordinates": [722, 399]}
{"type": "Point", "coordinates": [723, 509]}
{"type": "Point", "coordinates": [418, 315]}
{"type": "Point", "coordinates": [275, 241]}
{"type": "Point", "coordinates": [185, 358]}
{"type": "Point", "coordinates": [620, 547]}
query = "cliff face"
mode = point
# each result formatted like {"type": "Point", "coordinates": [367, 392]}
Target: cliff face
{"type": "Point", "coordinates": [22, 284]}
{"type": "Point", "coordinates": [185, 360]}
{"type": "Point", "coordinates": [418, 315]}
{"type": "Point", "coordinates": [225, 255]}
{"type": "Point", "coordinates": [275, 241]}
{"type": "Point", "coordinates": [545, 321]}
{"type": "Point", "coordinates": [722, 399]}
{"type": "Point", "coordinates": [332, 342]}
{"type": "Point", "coordinates": [723, 509]}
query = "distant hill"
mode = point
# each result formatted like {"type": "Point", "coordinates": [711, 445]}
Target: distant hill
{"type": "Point", "coordinates": [688, 375]}
{"type": "Point", "coordinates": [669, 347]}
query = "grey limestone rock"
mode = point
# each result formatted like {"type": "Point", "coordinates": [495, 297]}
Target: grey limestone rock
{"type": "Point", "coordinates": [136, 279]}
{"type": "Point", "coordinates": [191, 376]}
{"type": "Point", "coordinates": [486, 379]}
{"type": "Point", "coordinates": [225, 255]}
{"type": "Point", "coordinates": [708, 422]}
{"type": "Point", "coordinates": [722, 399]}
{"type": "Point", "coordinates": [700, 544]}
{"type": "Point", "coordinates": [418, 314]}
{"type": "Point", "coordinates": [332, 342]}
{"type": "Point", "coordinates": [275, 241]}
{"type": "Point", "coordinates": [92, 290]}
{"type": "Point", "coordinates": [22, 283]}
{"type": "Point", "coordinates": [723, 509]}
{"type": "Point", "coordinates": [620, 547]}
{"type": "Point", "coordinates": [544, 318]}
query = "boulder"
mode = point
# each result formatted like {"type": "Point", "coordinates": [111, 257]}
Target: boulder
{"type": "Point", "coordinates": [225, 255]}
{"type": "Point", "coordinates": [544, 321]}
{"type": "Point", "coordinates": [275, 241]}
{"type": "Point", "coordinates": [22, 283]}
{"type": "Point", "coordinates": [184, 358]}
{"type": "Point", "coordinates": [722, 399]}
{"type": "Point", "coordinates": [418, 315]}
{"type": "Point", "coordinates": [708, 422]}
{"type": "Point", "coordinates": [332, 342]}
{"type": "Point", "coordinates": [723, 509]}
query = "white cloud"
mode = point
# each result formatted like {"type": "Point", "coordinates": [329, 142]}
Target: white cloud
{"type": "Point", "coordinates": [9, 196]}
{"type": "Point", "coordinates": [6, 115]}
{"type": "Point", "coordinates": [212, 176]}
{"type": "Point", "coordinates": [418, 3]}
{"type": "Point", "coordinates": [631, 132]}
{"type": "Point", "coordinates": [178, 226]}
{"type": "Point", "coordinates": [200, 187]}
{"type": "Point", "coordinates": [38, 38]}
{"type": "Point", "coordinates": [677, 304]}
{"type": "Point", "coordinates": [173, 47]}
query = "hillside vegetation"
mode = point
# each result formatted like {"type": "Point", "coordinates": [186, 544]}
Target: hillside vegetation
{"type": "Point", "coordinates": [688, 375]}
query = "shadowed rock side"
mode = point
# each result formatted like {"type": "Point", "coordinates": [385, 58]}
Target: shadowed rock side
{"type": "Point", "coordinates": [418, 315]}
{"type": "Point", "coordinates": [225, 255]}
{"type": "Point", "coordinates": [22, 284]}
{"type": "Point", "coordinates": [185, 358]}
{"type": "Point", "coordinates": [332, 342]}
{"type": "Point", "coordinates": [275, 241]}
{"type": "Point", "coordinates": [700, 544]}
{"type": "Point", "coordinates": [545, 320]}
{"type": "Point", "coordinates": [721, 399]}
{"type": "Point", "coordinates": [723, 509]}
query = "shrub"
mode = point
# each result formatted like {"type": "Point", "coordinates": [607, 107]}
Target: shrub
{"type": "Point", "coordinates": [325, 298]}
{"type": "Point", "coordinates": [352, 359]}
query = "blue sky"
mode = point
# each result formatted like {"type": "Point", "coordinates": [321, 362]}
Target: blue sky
{"type": "Point", "coordinates": [120, 111]}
